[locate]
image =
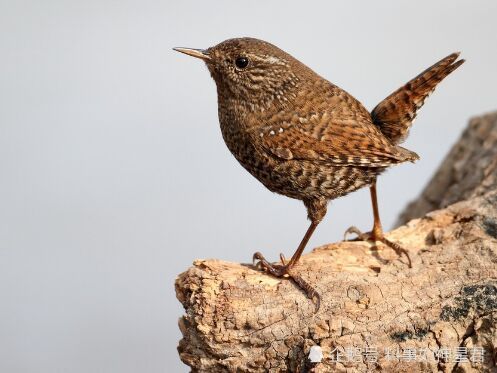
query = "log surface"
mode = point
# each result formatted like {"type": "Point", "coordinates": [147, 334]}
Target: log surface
{"type": "Point", "coordinates": [470, 169]}
{"type": "Point", "coordinates": [238, 319]}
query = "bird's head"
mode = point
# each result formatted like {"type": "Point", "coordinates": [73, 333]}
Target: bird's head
{"type": "Point", "coordinates": [251, 70]}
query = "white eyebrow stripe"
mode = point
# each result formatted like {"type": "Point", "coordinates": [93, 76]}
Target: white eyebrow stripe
{"type": "Point", "coordinates": [271, 59]}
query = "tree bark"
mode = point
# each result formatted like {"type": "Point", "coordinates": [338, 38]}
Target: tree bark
{"type": "Point", "coordinates": [470, 169]}
{"type": "Point", "coordinates": [376, 313]}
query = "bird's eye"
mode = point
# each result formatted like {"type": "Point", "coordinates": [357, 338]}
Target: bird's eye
{"type": "Point", "coordinates": [241, 62]}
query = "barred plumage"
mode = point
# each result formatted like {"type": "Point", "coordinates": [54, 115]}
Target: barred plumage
{"type": "Point", "coordinates": [304, 137]}
{"type": "Point", "coordinates": [395, 114]}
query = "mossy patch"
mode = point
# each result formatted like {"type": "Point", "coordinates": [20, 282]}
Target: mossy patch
{"type": "Point", "coordinates": [490, 227]}
{"type": "Point", "coordinates": [480, 299]}
{"type": "Point", "coordinates": [418, 333]}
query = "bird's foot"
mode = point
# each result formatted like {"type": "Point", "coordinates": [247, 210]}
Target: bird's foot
{"type": "Point", "coordinates": [286, 270]}
{"type": "Point", "coordinates": [372, 237]}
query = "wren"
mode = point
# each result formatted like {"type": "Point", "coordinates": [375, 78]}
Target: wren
{"type": "Point", "coordinates": [306, 138]}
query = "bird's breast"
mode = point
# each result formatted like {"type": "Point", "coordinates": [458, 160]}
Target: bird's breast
{"type": "Point", "coordinates": [245, 146]}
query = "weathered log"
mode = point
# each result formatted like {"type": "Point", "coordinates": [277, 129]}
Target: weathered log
{"type": "Point", "coordinates": [376, 313]}
{"type": "Point", "coordinates": [470, 169]}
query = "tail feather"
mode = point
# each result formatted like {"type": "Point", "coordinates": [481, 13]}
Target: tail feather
{"type": "Point", "coordinates": [396, 113]}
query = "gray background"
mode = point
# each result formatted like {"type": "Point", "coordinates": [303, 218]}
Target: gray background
{"type": "Point", "coordinates": [114, 175]}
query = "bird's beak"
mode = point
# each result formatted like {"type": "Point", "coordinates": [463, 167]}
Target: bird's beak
{"type": "Point", "coordinates": [198, 53]}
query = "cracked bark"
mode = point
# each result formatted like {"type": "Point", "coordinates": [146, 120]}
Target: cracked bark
{"type": "Point", "coordinates": [238, 319]}
{"type": "Point", "coordinates": [469, 170]}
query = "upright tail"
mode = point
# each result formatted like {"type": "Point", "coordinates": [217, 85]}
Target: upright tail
{"type": "Point", "coordinates": [395, 114]}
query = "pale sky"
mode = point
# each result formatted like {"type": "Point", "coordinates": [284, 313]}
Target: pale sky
{"type": "Point", "coordinates": [115, 177]}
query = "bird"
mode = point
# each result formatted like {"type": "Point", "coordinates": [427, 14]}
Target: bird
{"type": "Point", "coordinates": [303, 137]}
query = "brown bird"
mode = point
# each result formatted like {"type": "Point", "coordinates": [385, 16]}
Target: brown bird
{"type": "Point", "coordinates": [306, 138]}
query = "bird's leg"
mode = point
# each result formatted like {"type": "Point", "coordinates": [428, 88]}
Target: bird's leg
{"type": "Point", "coordinates": [286, 268]}
{"type": "Point", "coordinates": [281, 270]}
{"type": "Point", "coordinates": [376, 234]}
{"type": "Point", "coordinates": [316, 210]}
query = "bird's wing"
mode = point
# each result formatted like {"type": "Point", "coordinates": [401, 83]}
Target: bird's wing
{"type": "Point", "coordinates": [339, 138]}
{"type": "Point", "coordinates": [395, 114]}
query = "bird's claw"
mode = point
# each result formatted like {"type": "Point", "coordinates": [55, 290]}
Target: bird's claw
{"type": "Point", "coordinates": [370, 236]}
{"type": "Point", "coordinates": [275, 269]}
{"type": "Point", "coordinates": [399, 250]}
{"type": "Point", "coordinates": [311, 293]}
{"type": "Point", "coordinates": [360, 235]}
{"type": "Point", "coordinates": [285, 270]}
{"type": "Point", "coordinates": [256, 260]}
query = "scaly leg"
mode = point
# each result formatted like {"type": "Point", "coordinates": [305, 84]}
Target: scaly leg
{"type": "Point", "coordinates": [285, 269]}
{"type": "Point", "coordinates": [376, 233]}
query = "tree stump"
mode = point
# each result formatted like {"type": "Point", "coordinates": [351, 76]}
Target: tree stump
{"type": "Point", "coordinates": [376, 313]}
{"type": "Point", "coordinates": [470, 169]}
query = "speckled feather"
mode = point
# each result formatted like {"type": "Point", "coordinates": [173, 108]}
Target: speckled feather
{"type": "Point", "coordinates": [304, 137]}
{"type": "Point", "coordinates": [299, 134]}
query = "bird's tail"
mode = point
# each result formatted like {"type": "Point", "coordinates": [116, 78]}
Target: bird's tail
{"type": "Point", "coordinates": [395, 114]}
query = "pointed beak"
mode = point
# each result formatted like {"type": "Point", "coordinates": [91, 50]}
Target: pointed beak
{"type": "Point", "coordinates": [198, 53]}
